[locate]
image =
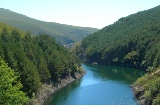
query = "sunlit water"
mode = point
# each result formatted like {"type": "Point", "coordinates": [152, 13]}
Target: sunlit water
{"type": "Point", "coordinates": [102, 85]}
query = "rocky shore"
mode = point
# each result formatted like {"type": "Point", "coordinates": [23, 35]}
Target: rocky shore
{"type": "Point", "coordinates": [139, 94]}
{"type": "Point", "coordinates": [147, 88]}
{"type": "Point", "coordinates": [47, 90]}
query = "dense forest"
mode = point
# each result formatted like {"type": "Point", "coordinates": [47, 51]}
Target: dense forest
{"type": "Point", "coordinates": [63, 34]}
{"type": "Point", "coordinates": [27, 62]}
{"type": "Point", "coordinates": [131, 41]}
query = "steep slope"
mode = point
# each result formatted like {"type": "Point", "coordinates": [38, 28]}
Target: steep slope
{"type": "Point", "coordinates": [132, 41]}
{"type": "Point", "coordinates": [36, 60]}
{"type": "Point", "coordinates": [62, 33]}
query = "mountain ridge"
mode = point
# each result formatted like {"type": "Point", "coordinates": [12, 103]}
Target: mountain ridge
{"type": "Point", "coordinates": [61, 32]}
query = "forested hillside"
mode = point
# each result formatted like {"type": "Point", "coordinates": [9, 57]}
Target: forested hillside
{"type": "Point", "coordinates": [132, 41]}
{"type": "Point", "coordinates": [34, 61]}
{"type": "Point", "coordinates": [64, 34]}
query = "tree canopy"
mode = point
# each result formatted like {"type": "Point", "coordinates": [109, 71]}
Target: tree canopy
{"type": "Point", "coordinates": [36, 60]}
{"type": "Point", "coordinates": [131, 41]}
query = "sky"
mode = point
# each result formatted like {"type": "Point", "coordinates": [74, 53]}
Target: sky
{"type": "Point", "coordinates": [85, 13]}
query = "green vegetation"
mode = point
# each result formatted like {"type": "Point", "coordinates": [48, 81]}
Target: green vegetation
{"type": "Point", "coordinates": [132, 41]}
{"type": "Point", "coordinates": [150, 86]}
{"type": "Point", "coordinates": [10, 86]}
{"type": "Point", "coordinates": [34, 61]}
{"type": "Point", "coordinates": [10, 29]}
{"type": "Point", "coordinates": [64, 34]}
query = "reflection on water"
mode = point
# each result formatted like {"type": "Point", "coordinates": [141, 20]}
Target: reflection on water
{"type": "Point", "coordinates": [114, 73]}
{"type": "Point", "coordinates": [102, 85]}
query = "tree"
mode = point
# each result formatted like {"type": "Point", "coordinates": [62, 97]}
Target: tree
{"type": "Point", "coordinates": [43, 71]}
{"type": "Point", "coordinates": [5, 35]}
{"type": "Point", "coordinates": [10, 93]}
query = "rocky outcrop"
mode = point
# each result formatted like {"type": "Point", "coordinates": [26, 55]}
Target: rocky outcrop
{"type": "Point", "coordinates": [138, 91]}
{"type": "Point", "coordinates": [47, 90]}
{"type": "Point", "coordinates": [147, 88]}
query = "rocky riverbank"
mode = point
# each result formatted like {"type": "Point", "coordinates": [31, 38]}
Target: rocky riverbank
{"type": "Point", "coordinates": [147, 88]}
{"type": "Point", "coordinates": [47, 90]}
{"type": "Point", "coordinates": [139, 94]}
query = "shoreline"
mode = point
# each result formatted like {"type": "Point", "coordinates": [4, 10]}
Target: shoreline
{"type": "Point", "coordinates": [138, 92]}
{"type": "Point", "coordinates": [145, 85]}
{"type": "Point", "coordinates": [46, 91]}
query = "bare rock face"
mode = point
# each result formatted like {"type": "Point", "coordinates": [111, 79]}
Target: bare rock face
{"type": "Point", "coordinates": [138, 91]}
{"type": "Point", "coordinates": [47, 90]}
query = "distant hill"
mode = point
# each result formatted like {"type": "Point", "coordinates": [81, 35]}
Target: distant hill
{"type": "Point", "coordinates": [132, 41]}
{"type": "Point", "coordinates": [64, 34]}
{"type": "Point", "coordinates": [10, 29]}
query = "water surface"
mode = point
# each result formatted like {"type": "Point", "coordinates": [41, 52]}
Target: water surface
{"type": "Point", "coordinates": [102, 85]}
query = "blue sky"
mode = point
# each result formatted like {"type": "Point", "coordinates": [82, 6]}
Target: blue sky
{"type": "Point", "coordinates": [86, 13]}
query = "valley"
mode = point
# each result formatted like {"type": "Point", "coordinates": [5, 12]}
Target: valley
{"type": "Point", "coordinates": [71, 65]}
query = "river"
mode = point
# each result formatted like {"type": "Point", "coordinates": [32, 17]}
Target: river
{"type": "Point", "coordinates": [102, 85]}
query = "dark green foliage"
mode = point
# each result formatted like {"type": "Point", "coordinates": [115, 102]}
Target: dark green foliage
{"type": "Point", "coordinates": [131, 41]}
{"type": "Point", "coordinates": [36, 60]}
{"type": "Point", "coordinates": [64, 34]}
